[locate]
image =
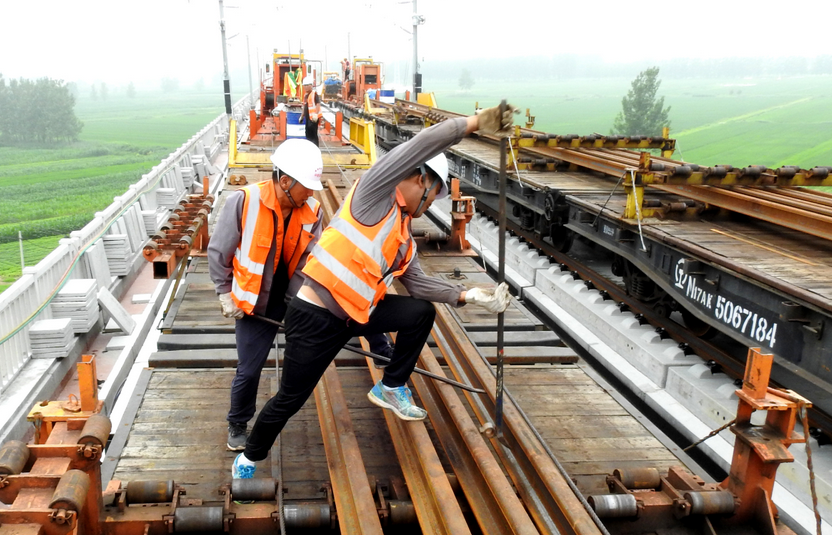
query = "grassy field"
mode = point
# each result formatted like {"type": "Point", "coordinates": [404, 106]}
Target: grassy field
{"type": "Point", "coordinates": [765, 121]}
{"type": "Point", "coordinates": [48, 191]}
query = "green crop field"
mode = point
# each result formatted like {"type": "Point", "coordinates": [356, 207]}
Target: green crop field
{"type": "Point", "coordinates": [767, 121]}
{"type": "Point", "coordinates": [48, 191]}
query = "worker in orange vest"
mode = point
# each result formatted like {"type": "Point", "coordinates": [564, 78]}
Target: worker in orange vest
{"type": "Point", "coordinates": [311, 110]}
{"type": "Point", "coordinates": [364, 249]}
{"type": "Point", "coordinates": [259, 246]}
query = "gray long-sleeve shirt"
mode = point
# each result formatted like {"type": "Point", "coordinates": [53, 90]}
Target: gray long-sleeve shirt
{"type": "Point", "coordinates": [374, 198]}
{"type": "Point", "coordinates": [225, 240]}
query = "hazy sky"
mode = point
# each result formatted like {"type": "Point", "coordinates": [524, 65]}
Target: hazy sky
{"type": "Point", "coordinates": [116, 41]}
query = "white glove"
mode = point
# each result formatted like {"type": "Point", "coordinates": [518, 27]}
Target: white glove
{"type": "Point", "coordinates": [493, 300]}
{"type": "Point", "coordinates": [229, 309]}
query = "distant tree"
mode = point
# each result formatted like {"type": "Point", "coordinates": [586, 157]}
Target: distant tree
{"type": "Point", "coordinates": [93, 92]}
{"type": "Point", "coordinates": [466, 81]}
{"type": "Point", "coordinates": [131, 90]}
{"type": "Point", "coordinates": [104, 91]}
{"type": "Point", "coordinates": [170, 84]}
{"type": "Point", "coordinates": [642, 113]}
{"type": "Point", "coordinates": [199, 85]}
{"type": "Point", "coordinates": [40, 110]}
{"type": "Point", "coordinates": [72, 87]}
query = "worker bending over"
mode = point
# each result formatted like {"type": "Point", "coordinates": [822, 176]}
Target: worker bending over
{"type": "Point", "coordinates": [257, 251]}
{"type": "Point", "coordinates": [311, 110]}
{"type": "Point", "coordinates": [364, 248]}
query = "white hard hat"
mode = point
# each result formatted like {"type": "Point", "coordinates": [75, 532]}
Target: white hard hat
{"type": "Point", "coordinates": [439, 165]}
{"type": "Point", "coordinates": [308, 80]}
{"type": "Point", "coordinates": [301, 160]}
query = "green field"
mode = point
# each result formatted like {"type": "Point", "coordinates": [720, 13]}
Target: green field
{"type": "Point", "coordinates": [48, 191]}
{"type": "Point", "coordinates": [765, 121]}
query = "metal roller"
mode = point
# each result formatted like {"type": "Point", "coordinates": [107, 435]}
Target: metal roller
{"type": "Point", "coordinates": [96, 430]}
{"type": "Point", "coordinates": [614, 505]}
{"type": "Point", "coordinates": [185, 241]}
{"type": "Point", "coordinates": [638, 478]}
{"type": "Point", "coordinates": [209, 198]}
{"type": "Point", "coordinates": [203, 213]}
{"type": "Point", "coordinates": [207, 204]}
{"type": "Point", "coordinates": [710, 503]}
{"type": "Point", "coordinates": [307, 515]}
{"type": "Point", "coordinates": [71, 492]}
{"type": "Point", "coordinates": [191, 230]}
{"type": "Point", "coordinates": [197, 519]}
{"type": "Point", "coordinates": [150, 491]}
{"type": "Point", "coordinates": [173, 217]}
{"type": "Point", "coordinates": [159, 235]}
{"type": "Point", "coordinates": [260, 490]}
{"type": "Point", "coordinates": [402, 512]}
{"type": "Point", "coordinates": [13, 457]}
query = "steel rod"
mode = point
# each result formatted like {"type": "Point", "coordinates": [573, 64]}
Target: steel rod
{"type": "Point", "coordinates": [501, 277]}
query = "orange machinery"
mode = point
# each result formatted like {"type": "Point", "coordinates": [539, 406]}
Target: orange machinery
{"type": "Point", "coordinates": [284, 86]}
{"type": "Point", "coordinates": [367, 74]}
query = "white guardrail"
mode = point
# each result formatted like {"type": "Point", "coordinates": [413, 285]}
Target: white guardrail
{"type": "Point", "coordinates": [132, 217]}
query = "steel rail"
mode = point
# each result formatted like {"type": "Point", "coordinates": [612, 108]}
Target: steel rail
{"type": "Point", "coordinates": [490, 495]}
{"type": "Point", "coordinates": [354, 500]}
{"type": "Point", "coordinates": [774, 195]}
{"type": "Point", "coordinates": [554, 506]}
{"type": "Point", "coordinates": [430, 491]}
{"type": "Point", "coordinates": [794, 218]}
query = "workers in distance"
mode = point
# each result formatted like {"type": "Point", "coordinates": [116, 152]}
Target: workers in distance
{"type": "Point", "coordinates": [365, 248]}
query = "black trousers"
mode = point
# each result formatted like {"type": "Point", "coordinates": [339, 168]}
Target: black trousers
{"type": "Point", "coordinates": [314, 336]}
{"type": "Point", "coordinates": [312, 131]}
{"type": "Point", "coordinates": [255, 338]}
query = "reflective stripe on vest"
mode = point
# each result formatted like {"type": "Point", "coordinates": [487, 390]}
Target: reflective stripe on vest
{"type": "Point", "coordinates": [257, 235]}
{"type": "Point", "coordinates": [353, 261]}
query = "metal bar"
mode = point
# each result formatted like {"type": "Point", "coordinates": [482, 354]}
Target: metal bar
{"type": "Point", "coordinates": [550, 500]}
{"type": "Point", "coordinates": [793, 218]}
{"type": "Point", "coordinates": [433, 498]}
{"type": "Point", "coordinates": [354, 501]}
{"type": "Point", "coordinates": [493, 501]}
{"type": "Point", "coordinates": [501, 277]}
{"type": "Point", "coordinates": [774, 195]}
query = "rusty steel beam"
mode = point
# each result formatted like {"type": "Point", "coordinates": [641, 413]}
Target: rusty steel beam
{"type": "Point", "coordinates": [354, 501]}
{"type": "Point", "coordinates": [793, 218]}
{"type": "Point", "coordinates": [495, 505]}
{"type": "Point", "coordinates": [777, 196]}
{"type": "Point", "coordinates": [436, 506]}
{"type": "Point", "coordinates": [546, 492]}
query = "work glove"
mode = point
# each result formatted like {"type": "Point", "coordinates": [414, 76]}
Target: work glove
{"type": "Point", "coordinates": [492, 122]}
{"type": "Point", "coordinates": [229, 309]}
{"type": "Point", "coordinates": [494, 300]}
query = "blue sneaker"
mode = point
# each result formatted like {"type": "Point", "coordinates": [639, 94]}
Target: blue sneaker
{"type": "Point", "coordinates": [242, 471]}
{"type": "Point", "coordinates": [398, 400]}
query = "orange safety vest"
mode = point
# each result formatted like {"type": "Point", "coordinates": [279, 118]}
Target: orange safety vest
{"type": "Point", "coordinates": [257, 228]}
{"type": "Point", "coordinates": [311, 106]}
{"type": "Point", "coordinates": [355, 262]}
